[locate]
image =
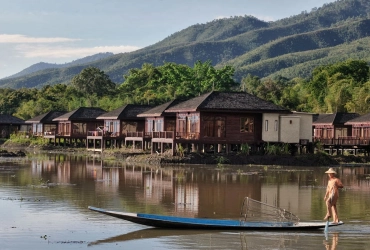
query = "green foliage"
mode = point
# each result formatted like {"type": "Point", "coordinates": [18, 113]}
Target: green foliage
{"type": "Point", "coordinates": [277, 149]}
{"type": "Point", "coordinates": [92, 83]}
{"type": "Point", "coordinates": [221, 160]}
{"type": "Point", "coordinates": [23, 139]}
{"type": "Point", "coordinates": [153, 85]}
{"type": "Point", "coordinates": [244, 149]}
{"type": "Point", "coordinates": [180, 150]}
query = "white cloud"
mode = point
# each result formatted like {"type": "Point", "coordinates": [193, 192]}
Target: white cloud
{"type": "Point", "coordinates": [17, 38]}
{"type": "Point", "coordinates": [68, 52]}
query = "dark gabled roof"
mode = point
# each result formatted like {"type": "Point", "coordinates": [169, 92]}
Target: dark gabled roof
{"type": "Point", "coordinates": [360, 119]}
{"type": "Point", "coordinates": [159, 110]}
{"type": "Point", "coordinates": [47, 117]}
{"type": "Point", "coordinates": [81, 114]}
{"type": "Point", "coordinates": [335, 119]}
{"type": "Point", "coordinates": [227, 101]}
{"type": "Point", "coordinates": [9, 119]}
{"type": "Point", "coordinates": [129, 111]}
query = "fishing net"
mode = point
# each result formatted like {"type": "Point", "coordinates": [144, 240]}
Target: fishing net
{"type": "Point", "coordinates": [253, 210]}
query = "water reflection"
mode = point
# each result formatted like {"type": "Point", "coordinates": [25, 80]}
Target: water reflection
{"type": "Point", "coordinates": [71, 183]}
{"type": "Point", "coordinates": [198, 191]}
{"type": "Point", "coordinates": [331, 245]}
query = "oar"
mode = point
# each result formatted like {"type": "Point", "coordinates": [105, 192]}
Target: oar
{"type": "Point", "coordinates": [327, 221]}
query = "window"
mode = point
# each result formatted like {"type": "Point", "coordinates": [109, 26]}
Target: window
{"type": "Point", "coordinates": [247, 125]}
{"type": "Point", "coordinates": [214, 126]}
{"type": "Point", "coordinates": [150, 125]}
{"type": "Point", "coordinates": [193, 123]}
{"type": "Point", "coordinates": [159, 125]}
{"type": "Point", "coordinates": [276, 125]}
{"type": "Point", "coordinates": [266, 125]}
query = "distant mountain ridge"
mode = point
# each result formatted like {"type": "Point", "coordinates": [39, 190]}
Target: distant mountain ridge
{"type": "Point", "coordinates": [290, 47]}
{"type": "Point", "coordinates": [42, 65]}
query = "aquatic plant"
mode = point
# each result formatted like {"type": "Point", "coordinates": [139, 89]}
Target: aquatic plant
{"type": "Point", "coordinates": [221, 160]}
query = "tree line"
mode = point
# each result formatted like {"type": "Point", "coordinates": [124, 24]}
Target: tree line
{"type": "Point", "coordinates": [338, 87]}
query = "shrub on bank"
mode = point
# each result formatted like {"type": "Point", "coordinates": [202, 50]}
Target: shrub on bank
{"type": "Point", "coordinates": [26, 140]}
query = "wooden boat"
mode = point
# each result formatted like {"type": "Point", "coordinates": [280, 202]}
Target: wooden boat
{"type": "Point", "coordinates": [174, 222]}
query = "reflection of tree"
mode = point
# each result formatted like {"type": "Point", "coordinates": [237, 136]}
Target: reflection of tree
{"type": "Point", "coordinates": [333, 244]}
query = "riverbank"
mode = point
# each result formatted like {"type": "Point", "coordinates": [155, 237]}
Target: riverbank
{"type": "Point", "coordinates": [131, 156]}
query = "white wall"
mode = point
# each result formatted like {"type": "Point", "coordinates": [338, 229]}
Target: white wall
{"type": "Point", "coordinates": [306, 125]}
{"type": "Point", "coordinates": [271, 134]}
{"type": "Point", "coordinates": [290, 129]}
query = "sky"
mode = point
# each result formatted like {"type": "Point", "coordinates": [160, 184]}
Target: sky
{"type": "Point", "coordinates": [60, 31]}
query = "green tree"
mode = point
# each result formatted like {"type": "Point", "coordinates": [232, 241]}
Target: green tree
{"type": "Point", "coordinates": [92, 83]}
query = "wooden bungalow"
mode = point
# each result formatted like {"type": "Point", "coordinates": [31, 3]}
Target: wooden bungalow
{"type": "Point", "coordinates": [328, 127]}
{"type": "Point", "coordinates": [360, 129]}
{"type": "Point", "coordinates": [159, 127]}
{"type": "Point", "coordinates": [219, 121]}
{"type": "Point", "coordinates": [10, 124]}
{"type": "Point", "coordinates": [118, 124]}
{"type": "Point", "coordinates": [43, 125]}
{"type": "Point", "coordinates": [74, 126]}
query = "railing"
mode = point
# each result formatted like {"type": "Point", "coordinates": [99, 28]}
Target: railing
{"type": "Point", "coordinates": [94, 133]}
{"type": "Point", "coordinates": [64, 133]}
{"type": "Point", "coordinates": [155, 134]}
{"type": "Point", "coordinates": [187, 136]}
{"type": "Point", "coordinates": [347, 140]}
{"type": "Point", "coordinates": [135, 134]}
{"type": "Point", "coordinates": [163, 134]}
{"type": "Point", "coordinates": [49, 133]}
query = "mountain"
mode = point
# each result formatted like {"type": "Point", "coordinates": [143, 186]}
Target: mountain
{"type": "Point", "coordinates": [42, 65]}
{"type": "Point", "coordinates": [290, 47]}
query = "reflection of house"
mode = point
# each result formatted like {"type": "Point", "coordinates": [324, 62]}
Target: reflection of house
{"type": "Point", "coordinates": [10, 124]}
{"type": "Point", "coordinates": [187, 198]}
{"type": "Point", "coordinates": [118, 124]}
{"type": "Point", "coordinates": [73, 126]}
{"type": "Point", "coordinates": [157, 186]}
{"type": "Point", "coordinates": [289, 197]}
{"type": "Point", "coordinates": [94, 168]}
{"type": "Point", "coordinates": [219, 121]}
{"type": "Point", "coordinates": [159, 127]}
{"type": "Point", "coordinates": [43, 125]}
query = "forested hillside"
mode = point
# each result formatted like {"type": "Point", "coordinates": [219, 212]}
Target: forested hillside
{"type": "Point", "coordinates": [42, 65]}
{"type": "Point", "coordinates": [291, 47]}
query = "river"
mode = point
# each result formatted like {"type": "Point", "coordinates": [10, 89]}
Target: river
{"type": "Point", "coordinates": [44, 200]}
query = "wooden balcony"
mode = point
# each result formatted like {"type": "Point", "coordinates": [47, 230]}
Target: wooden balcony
{"type": "Point", "coordinates": [188, 136]}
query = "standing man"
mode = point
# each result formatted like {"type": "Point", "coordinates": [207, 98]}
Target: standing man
{"type": "Point", "coordinates": [331, 195]}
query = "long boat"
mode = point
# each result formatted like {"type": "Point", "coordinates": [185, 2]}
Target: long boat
{"type": "Point", "coordinates": [174, 222]}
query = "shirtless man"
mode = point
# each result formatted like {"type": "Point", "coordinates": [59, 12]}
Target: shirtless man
{"type": "Point", "coordinates": [331, 195]}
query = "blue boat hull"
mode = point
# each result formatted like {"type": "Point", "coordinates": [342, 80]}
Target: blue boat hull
{"type": "Point", "coordinates": [162, 221]}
